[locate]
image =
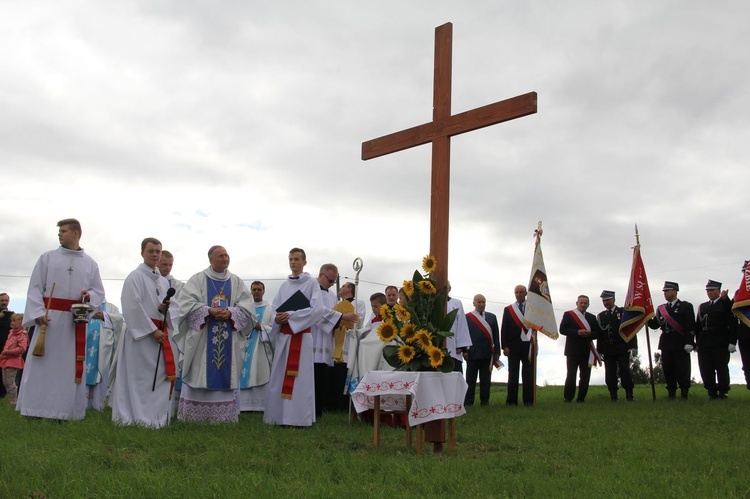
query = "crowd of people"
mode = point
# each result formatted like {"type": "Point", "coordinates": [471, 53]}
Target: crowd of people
{"type": "Point", "coordinates": [209, 348]}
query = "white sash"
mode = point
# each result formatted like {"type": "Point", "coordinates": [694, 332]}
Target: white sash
{"type": "Point", "coordinates": [525, 332]}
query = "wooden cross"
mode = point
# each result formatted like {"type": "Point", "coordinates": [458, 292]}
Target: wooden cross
{"type": "Point", "coordinates": [439, 131]}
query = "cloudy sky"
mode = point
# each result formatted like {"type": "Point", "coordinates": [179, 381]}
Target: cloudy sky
{"type": "Point", "coordinates": [241, 123]}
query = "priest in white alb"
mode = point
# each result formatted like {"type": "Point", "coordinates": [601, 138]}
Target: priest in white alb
{"type": "Point", "coordinates": [216, 317]}
{"type": "Point", "coordinates": [145, 361]}
{"type": "Point", "coordinates": [258, 357]}
{"type": "Point", "coordinates": [51, 386]}
{"type": "Point", "coordinates": [102, 336]}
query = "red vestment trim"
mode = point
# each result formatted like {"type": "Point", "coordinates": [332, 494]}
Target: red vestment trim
{"type": "Point", "coordinates": [63, 305]}
{"type": "Point", "coordinates": [292, 360]}
{"type": "Point", "coordinates": [169, 365]}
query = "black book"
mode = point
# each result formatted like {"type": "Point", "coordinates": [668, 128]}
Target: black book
{"type": "Point", "coordinates": [297, 301]}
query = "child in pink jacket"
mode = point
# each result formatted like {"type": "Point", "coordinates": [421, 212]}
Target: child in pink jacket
{"type": "Point", "coordinates": [10, 358]}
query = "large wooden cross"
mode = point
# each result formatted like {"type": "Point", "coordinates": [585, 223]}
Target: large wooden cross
{"type": "Point", "coordinates": [439, 131]}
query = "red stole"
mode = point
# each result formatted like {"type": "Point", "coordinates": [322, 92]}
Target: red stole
{"type": "Point", "coordinates": [292, 360]}
{"type": "Point", "coordinates": [169, 365]}
{"type": "Point", "coordinates": [63, 305]}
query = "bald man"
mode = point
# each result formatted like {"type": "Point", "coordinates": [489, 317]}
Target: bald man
{"type": "Point", "coordinates": [516, 342]}
{"type": "Point", "coordinates": [485, 348]}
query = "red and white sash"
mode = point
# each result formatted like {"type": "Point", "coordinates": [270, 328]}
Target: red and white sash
{"type": "Point", "coordinates": [483, 326]}
{"type": "Point", "coordinates": [595, 359]}
{"type": "Point", "coordinates": [526, 333]}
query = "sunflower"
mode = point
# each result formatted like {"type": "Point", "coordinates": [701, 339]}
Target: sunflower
{"type": "Point", "coordinates": [424, 339]}
{"type": "Point", "coordinates": [427, 287]}
{"type": "Point", "coordinates": [409, 288]}
{"type": "Point", "coordinates": [401, 312]}
{"type": "Point", "coordinates": [408, 331]}
{"type": "Point", "coordinates": [436, 357]}
{"type": "Point", "coordinates": [406, 353]}
{"type": "Point", "coordinates": [387, 331]}
{"type": "Point", "coordinates": [385, 312]}
{"type": "Point", "coordinates": [429, 264]}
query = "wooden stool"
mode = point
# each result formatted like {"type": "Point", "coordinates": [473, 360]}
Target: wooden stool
{"type": "Point", "coordinates": [376, 422]}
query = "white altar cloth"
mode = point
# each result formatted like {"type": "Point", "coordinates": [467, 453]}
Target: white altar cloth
{"type": "Point", "coordinates": [435, 395]}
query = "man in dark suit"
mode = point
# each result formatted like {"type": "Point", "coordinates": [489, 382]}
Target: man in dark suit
{"type": "Point", "coordinates": [579, 328]}
{"type": "Point", "coordinates": [716, 336]}
{"type": "Point", "coordinates": [614, 349]}
{"type": "Point", "coordinates": [516, 340]}
{"type": "Point", "coordinates": [676, 320]}
{"type": "Point", "coordinates": [484, 350]}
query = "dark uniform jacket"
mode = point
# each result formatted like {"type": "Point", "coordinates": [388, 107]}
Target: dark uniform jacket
{"type": "Point", "coordinates": [670, 338]}
{"type": "Point", "coordinates": [610, 342]}
{"type": "Point", "coordinates": [716, 325]}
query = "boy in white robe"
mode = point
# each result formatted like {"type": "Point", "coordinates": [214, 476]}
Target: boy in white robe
{"type": "Point", "coordinates": [295, 309]}
{"type": "Point", "coordinates": [51, 386]}
{"type": "Point", "coordinates": [145, 363]}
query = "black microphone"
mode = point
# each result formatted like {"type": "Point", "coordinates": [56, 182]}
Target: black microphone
{"type": "Point", "coordinates": [170, 294]}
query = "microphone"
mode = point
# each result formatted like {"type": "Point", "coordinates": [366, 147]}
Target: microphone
{"type": "Point", "coordinates": [170, 294]}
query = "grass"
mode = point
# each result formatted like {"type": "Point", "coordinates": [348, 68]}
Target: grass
{"type": "Point", "coordinates": [695, 448]}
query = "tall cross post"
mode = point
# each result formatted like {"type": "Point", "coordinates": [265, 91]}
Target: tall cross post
{"type": "Point", "coordinates": [439, 131]}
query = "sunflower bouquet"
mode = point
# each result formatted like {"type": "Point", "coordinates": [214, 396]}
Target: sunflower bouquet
{"type": "Point", "coordinates": [417, 332]}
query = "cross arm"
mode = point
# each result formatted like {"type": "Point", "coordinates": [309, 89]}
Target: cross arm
{"type": "Point", "coordinates": [491, 114]}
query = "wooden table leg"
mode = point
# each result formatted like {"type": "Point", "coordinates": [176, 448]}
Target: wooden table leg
{"type": "Point", "coordinates": [420, 438]}
{"type": "Point", "coordinates": [408, 426]}
{"type": "Point", "coordinates": [376, 421]}
{"type": "Point", "coordinates": [451, 434]}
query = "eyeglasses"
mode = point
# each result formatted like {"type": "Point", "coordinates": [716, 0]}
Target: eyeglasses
{"type": "Point", "coordinates": [330, 281]}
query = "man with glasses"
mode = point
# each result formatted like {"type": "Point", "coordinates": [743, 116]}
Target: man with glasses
{"type": "Point", "coordinates": [322, 335]}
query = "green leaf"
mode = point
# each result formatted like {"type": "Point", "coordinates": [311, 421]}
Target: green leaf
{"type": "Point", "coordinates": [417, 277]}
{"type": "Point", "coordinates": [447, 365]}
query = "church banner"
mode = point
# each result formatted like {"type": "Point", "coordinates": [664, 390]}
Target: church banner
{"type": "Point", "coordinates": [539, 315]}
{"type": "Point", "coordinates": [639, 307]}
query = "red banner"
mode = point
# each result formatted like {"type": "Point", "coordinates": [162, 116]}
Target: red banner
{"type": "Point", "coordinates": [639, 307]}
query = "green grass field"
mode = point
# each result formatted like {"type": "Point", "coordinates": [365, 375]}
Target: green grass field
{"type": "Point", "coordinates": [674, 448]}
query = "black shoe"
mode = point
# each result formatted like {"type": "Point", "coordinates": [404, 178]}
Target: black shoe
{"type": "Point", "coordinates": [723, 396]}
{"type": "Point", "coordinates": [568, 400]}
{"type": "Point", "coordinates": [672, 394]}
{"type": "Point", "coordinates": [684, 394]}
{"type": "Point", "coordinates": [580, 401]}
{"type": "Point", "coordinates": [512, 404]}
